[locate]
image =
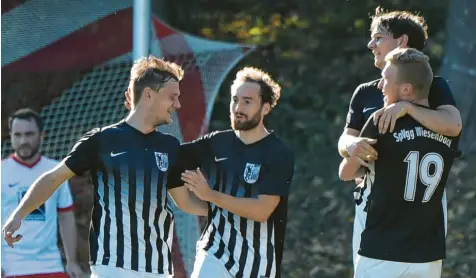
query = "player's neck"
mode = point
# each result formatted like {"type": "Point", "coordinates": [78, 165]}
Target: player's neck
{"type": "Point", "coordinates": [28, 162]}
{"type": "Point", "coordinates": [139, 121]}
{"type": "Point", "coordinates": [422, 102]}
{"type": "Point", "coordinates": [253, 135]}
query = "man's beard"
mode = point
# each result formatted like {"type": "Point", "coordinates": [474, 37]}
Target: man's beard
{"type": "Point", "coordinates": [247, 124]}
{"type": "Point", "coordinates": [31, 154]}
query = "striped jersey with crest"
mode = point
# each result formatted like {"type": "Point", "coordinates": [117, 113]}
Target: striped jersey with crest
{"type": "Point", "coordinates": [245, 247]}
{"type": "Point", "coordinates": [132, 225]}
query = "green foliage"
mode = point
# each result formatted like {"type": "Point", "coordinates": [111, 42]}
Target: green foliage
{"type": "Point", "coordinates": [317, 51]}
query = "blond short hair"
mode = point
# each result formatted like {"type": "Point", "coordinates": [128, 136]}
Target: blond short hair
{"type": "Point", "coordinates": [152, 72]}
{"type": "Point", "coordinates": [270, 90]}
{"type": "Point", "coordinates": [413, 67]}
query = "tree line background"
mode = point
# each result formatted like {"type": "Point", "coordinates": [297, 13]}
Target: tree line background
{"type": "Point", "coordinates": [317, 51]}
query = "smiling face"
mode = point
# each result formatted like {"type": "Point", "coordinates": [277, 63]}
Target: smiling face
{"type": "Point", "coordinates": [388, 84]}
{"type": "Point", "coordinates": [154, 89]}
{"type": "Point", "coordinates": [381, 43]}
{"type": "Point", "coordinates": [246, 107]}
{"type": "Point", "coordinates": [163, 103]}
{"type": "Point", "coordinates": [407, 76]}
{"type": "Point", "coordinates": [392, 29]}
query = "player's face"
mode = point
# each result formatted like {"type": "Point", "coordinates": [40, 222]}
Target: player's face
{"type": "Point", "coordinates": [25, 138]}
{"type": "Point", "coordinates": [246, 109]}
{"type": "Point", "coordinates": [388, 84]}
{"type": "Point", "coordinates": [381, 43]}
{"type": "Point", "coordinates": [166, 102]}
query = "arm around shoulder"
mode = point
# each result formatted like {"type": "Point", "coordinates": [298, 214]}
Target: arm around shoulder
{"type": "Point", "coordinates": [445, 120]}
{"type": "Point", "coordinates": [455, 123]}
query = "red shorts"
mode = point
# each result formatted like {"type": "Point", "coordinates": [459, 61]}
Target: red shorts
{"type": "Point", "coordinates": [44, 275]}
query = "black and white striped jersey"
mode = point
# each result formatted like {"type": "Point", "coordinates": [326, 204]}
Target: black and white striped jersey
{"type": "Point", "coordinates": [132, 226]}
{"type": "Point", "coordinates": [245, 247]}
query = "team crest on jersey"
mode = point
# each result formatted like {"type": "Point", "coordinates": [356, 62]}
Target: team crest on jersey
{"type": "Point", "coordinates": [162, 160]}
{"type": "Point", "coordinates": [251, 172]}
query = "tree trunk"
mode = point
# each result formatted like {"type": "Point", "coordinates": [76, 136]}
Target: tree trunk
{"type": "Point", "coordinates": [459, 66]}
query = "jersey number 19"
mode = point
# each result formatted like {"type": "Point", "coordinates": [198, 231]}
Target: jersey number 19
{"type": "Point", "coordinates": [417, 168]}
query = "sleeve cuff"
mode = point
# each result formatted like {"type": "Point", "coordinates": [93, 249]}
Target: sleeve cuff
{"type": "Point", "coordinates": [65, 209]}
{"type": "Point", "coordinates": [354, 126]}
{"type": "Point", "coordinates": [274, 193]}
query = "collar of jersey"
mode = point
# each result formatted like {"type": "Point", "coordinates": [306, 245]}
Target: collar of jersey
{"type": "Point", "coordinates": [264, 139]}
{"type": "Point", "coordinates": [128, 126]}
{"type": "Point", "coordinates": [19, 161]}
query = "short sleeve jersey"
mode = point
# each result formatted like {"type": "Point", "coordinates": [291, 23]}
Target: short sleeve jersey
{"type": "Point", "coordinates": [245, 247]}
{"type": "Point", "coordinates": [405, 221]}
{"type": "Point", "coordinates": [39, 246]}
{"type": "Point", "coordinates": [132, 225]}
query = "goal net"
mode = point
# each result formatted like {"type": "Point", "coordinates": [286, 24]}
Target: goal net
{"type": "Point", "coordinates": [96, 99]}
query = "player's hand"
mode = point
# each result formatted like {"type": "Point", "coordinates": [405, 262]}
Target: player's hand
{"type": "Point", "coordinates": [388, 116]}
{"type": "Point", "coordinates": [11, 226]}
{"type": "Point", "coordinates": [361, 148]}
{"type": "Point", "coordinates": [128, 101]}
{"type": "Point", "coordinates": [197, 183]}
{"type": "Point", "coordinates": [74, 270]}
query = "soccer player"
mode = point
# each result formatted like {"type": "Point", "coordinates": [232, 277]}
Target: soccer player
{"type": "Point", "coordinates": [404, 234]}
{"type": "Point", "coordinates": [38, 253]}
{"type": "Point", "coordinates": [132, 225]}
{"type": "Point", "coordinates": [390, 30]}
{"type": "Point", "coordinates": [245, 175]}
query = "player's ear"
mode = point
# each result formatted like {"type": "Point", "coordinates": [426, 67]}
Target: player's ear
{"type": "Point", "coordinates": [147, 93]}
{"type": "Point", "coordinates": [403, 41]}
{"type": "Point", "coordinates": [266, 109]}
{"type": "Point", "coordinates": [407, 90]}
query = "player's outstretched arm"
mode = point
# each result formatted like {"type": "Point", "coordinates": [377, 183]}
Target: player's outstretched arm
{"type": "Point", "coordinates": [188, 202]}
{"type": "Point", "coordinates": [38, 194]}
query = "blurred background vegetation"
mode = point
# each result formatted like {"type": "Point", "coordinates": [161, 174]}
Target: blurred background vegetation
{"type": "Point", "coordinates": [317, 51]}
